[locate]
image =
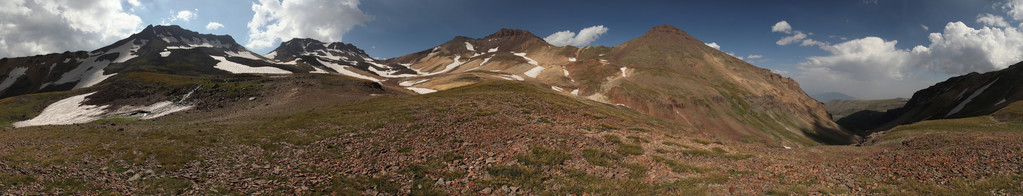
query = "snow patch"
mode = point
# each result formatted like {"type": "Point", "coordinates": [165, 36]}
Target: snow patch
{"type": "Point", "coordinates": [624, 69]}
{"type": "Point", "coordinates": [152, 111]}
{"type": "Point", "coordinates": [532, 73]}
{"type": "Point", "coordinates": [486, 60]}
{"type": "Point", "coordinates": [413, 83]}
{"type": "Point", "coordinates": [244, 54]}
{"type": "Point", "coordinates": [999, 102]}
{"type": "Point", "coordinates": [968, 99]}
{"type": "Point", "coordinates": [12, 77]}
{"type": "Point", "coordinates": [523, 55]}
{"type": "Point", "coordinates": [89, 73]}
{"type": "Point", "coordinates": [125, 52]}
{"type": "Point", "coordinates": [575, 92]}
{"type": "Point", "coordinates": [493, 49]}
{"type": "Point", "coordinates": [271, 55]}
{"type": "Point", "coordinates": [165, 53]}
{"type": "Point", "coordinates": [421, 90]}
{"type": "Point", "coordinates": [559, 89]}
{"type": "Point", "coordinates": [962, 93]}
{"type": "Point", "coordinates": [447, 68]}
{"type": "Point", "coordinates": [233, 67]}
{"type": "Point", "coordinates": [318, 70]}
{"type": "Point", "coordinates": [341, 69]}
{"type": "Point", "coordinates": [468, 46]}
{"type": "Point", "coordinates": [517, 77]}
{"type": "Point", "coordinates": [571, 59]}
{"type": "Point", "coordinates": [65, 112]}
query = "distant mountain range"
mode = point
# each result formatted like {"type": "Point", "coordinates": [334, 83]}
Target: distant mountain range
{"type": "Point", "coordinates": [829, 96]}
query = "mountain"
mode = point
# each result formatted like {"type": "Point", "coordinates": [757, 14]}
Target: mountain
{"type": "Point", "coordinates": [337, 57]}
{"type": "Point", "coordinates": [156, 49]}
{"type": "Point", "coordinates": [829, 96]}
{"type": "Point", "coordinates": [969, 95]}
{"type": "Point", "coordinates": [664, 73]}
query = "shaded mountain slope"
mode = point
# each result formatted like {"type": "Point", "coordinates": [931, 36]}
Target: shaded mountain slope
{"type": "Point", "coordinates": [963, 96]}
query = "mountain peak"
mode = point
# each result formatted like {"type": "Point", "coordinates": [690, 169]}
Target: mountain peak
{"type": "Point", "coordinates": [309, 46]}
{"type": "Point", "coordinates": [666, 28]}
{"type": "Point", "coordinates": [668, 31]}
{"type": "Point", "coordinates": [510, 33]}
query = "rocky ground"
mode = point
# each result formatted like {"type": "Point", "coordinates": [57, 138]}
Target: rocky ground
{"type": "Point", "coordinates": [487, 139]}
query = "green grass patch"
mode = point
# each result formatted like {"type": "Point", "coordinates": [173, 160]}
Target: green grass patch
{"type": "Point", "coordinates": [630, 149]}
{"type": "Point", "coordinates": [543, 156]}
{"type": "Point", "coordinates": [517, 175]}
{"type": "Point", "coordinates": [638, 139]}
{"type": "Point", "coordinates": [715, 152]}
{"type": "Point", "coordinates": [702, 141]}
{"type": "Point", "coordinates": [600, 158]}
{"type": "Point", "coordinates": [636, 171]}
{"type": "Point", "coordinates": [678, 167]}
{"type": "Point", "coordinates": [670, 143]}
{"type": "Point", "coordinates": [8, 180]}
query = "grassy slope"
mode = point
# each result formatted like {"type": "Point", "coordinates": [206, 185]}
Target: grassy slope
{"type": "Point", "coordinates": [1005, 120]}
{"type": "Point", "coordinates": [540, 143]}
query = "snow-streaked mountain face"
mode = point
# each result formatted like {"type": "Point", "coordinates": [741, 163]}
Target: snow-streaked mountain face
{"type": "Point", "coordinates": [963, 96]}
{"type": "Point", "coordinates": [337, 57]}
{"type": "Point", "coordinates": [160, 49]}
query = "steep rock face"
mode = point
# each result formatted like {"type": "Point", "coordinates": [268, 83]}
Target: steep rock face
{"type": "Point", "coordinates": [973, 94]}
{"type": "Point", "coordinates": [665, 73]}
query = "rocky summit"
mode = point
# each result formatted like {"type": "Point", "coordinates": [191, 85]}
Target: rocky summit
{"type": "Point", "coordinates": [169, 111]}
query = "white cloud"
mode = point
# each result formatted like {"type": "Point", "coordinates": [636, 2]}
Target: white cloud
{"type": "Point", "coordinates": [961, 49]}
{"type": "Point", "coordinates": [810, 42]}
{"type": "Point", "coordinates": [876, 68]}
{"type": "Point", "coordinates": [45, 26]}
{"type": "Point", "coordinates": [795, 36]}
{"type": "Point", "coordinates": [585, 36]}
{"type": "Point", "coordinates": [1015, 9]}
{"type": "Point", "coordinates": [324, 20]}
{"type": "Point", "coordinates": [184, 15]}
{"type": "Point", "coordinates": [798, 36]}
{"type": "Point", "coordinates": [925, 27]}
{"type": "Point", "coordinates": [134, 3]}
{"type": "Point", "coordinates": [992, 20]}
{"type": "Point", "coordinates": [782, 27]}
{"type": "Point", "coordinates": [214, 26]}
{"type": "Point", "coordinates": [754, 56]}
{"type": "Point", "coordinates": [714, 45]}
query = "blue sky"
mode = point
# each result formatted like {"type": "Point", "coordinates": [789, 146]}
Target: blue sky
{"type": "Point", "coordinates": [861, 48]}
